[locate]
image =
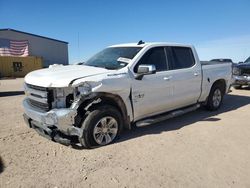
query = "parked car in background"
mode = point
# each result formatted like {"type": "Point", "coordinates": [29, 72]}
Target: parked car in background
{"type": "Point", "coordinates": [241, 73]}
{"type": "Point", "coordinates": [222, 60]}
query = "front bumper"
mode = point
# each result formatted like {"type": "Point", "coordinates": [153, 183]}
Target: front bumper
{"type": "Point", "coordinates": [241, 80]}
{"type": "Point", "coordinates": [56, 125]}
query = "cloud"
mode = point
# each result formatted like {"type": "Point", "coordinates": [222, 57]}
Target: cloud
{"type": "Point", "coordinates": [235, 48]}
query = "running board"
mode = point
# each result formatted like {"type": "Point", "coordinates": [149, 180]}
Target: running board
{"type": "Point", "coordinates": [166, 116]}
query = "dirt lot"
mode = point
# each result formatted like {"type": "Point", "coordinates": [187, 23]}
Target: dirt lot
{"type": "Point", "coordinates": [199, 149]}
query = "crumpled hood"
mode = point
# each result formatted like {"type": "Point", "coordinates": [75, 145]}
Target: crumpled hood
{"type": "Point", "coordinates": [62, 76]}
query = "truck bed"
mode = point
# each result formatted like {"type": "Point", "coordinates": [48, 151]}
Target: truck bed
{"type": "Point", "coordinates": [213, 62]}
{"type": "Point", "coordinates": [213, 71]}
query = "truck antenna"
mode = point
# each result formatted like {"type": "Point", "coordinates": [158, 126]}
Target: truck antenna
{"type": "Point", "coordinates": [140, 42]}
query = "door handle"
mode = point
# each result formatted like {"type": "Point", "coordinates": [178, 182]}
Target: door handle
{"type": "Point", "coordinates": [167, 78]}
{"type": "Point", "coordinates": [196, 74]}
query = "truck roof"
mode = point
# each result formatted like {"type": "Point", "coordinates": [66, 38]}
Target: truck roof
{"type": "Point", "coordinates": [150, 44]}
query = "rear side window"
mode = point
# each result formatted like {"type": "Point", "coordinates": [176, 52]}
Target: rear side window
{"type": "Point", "coordinates": [155, 56]}
{"type": "Point", "coordinates": [180, 57]}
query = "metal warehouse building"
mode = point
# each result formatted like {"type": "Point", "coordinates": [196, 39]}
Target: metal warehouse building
{"type": "Point", "coordinates": [22, 52]}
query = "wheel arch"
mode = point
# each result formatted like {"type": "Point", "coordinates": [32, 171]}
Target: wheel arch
{"type": "Point", "coordinates": [222, 83]}
{"type": "Point", "coordinates": [103, 98]}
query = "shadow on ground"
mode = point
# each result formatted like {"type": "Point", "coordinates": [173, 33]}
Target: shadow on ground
{"type": "Point", "coordinates": [11, 93]}
{"type": "Point", "coordinates": [244, 88]}
{"type": "Point", "coordinates": [230, 103]}
{"type": "Point", "coordinates": [1, 165]}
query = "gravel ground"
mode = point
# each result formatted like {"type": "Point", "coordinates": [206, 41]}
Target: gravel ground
{"type": "Point", "coordinates": [199, 149]}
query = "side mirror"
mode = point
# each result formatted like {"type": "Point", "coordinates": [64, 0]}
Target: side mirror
{"type": "Point", "coordinates": [145, 70]}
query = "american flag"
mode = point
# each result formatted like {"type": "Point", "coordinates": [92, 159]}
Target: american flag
{"type": "Point", "coordinates": [14, 47]}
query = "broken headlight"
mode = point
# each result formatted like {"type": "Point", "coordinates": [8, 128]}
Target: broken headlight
{"type": "Point", "coordinates": [83, 89]}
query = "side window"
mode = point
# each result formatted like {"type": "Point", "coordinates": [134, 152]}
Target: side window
{"type": "Point", "coordinates": [155, 56]}
{"type": "Point", "coordinates": [180, 57]}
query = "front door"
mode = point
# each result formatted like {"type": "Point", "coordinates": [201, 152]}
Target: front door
{"type": "Point", "coordinates": [153, 94]}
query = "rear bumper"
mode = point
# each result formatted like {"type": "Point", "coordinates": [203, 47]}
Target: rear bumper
{"type": "Point", "coordinates": [241, 80]}
{"type": "Point", "coordinates": [56, 125]}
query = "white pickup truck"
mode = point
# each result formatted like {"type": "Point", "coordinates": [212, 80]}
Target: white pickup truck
{"type": "Point", "coordinates": [123, 85]}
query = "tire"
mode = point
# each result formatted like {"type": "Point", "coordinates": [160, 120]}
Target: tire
{"type": "Point", "coordinates": [101, 127]}
{"type": "Point", "coordinates": [215, 97]}
{"type": "Point", "coordinates": [238, 87]}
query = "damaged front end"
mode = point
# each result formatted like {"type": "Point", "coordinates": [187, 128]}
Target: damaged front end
{"type": "Point", "coordinates": [57, 113]}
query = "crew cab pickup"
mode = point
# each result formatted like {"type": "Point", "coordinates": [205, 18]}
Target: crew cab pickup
{"type": "Point", "coordinates": [124, 85]}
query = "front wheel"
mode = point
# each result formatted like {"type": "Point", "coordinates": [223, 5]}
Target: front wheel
{"type": "Point", "coordinates": [215, 98]}
{"type": "Point", "coordinates": [101, 127]}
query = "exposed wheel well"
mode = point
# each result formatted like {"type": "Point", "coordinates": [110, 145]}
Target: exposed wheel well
{"type": "Point", "coordinates": [106, 99]}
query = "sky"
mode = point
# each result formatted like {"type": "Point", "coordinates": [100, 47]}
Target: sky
{"type": "Point", "coordinates": [217, 28]}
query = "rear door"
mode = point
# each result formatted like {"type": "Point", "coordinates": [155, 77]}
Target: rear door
{"type": "Point", "coordinates": [186, 75]}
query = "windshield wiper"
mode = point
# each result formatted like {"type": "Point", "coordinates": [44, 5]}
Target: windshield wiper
{"type": "Point", "coordinates": [94, 66]}
{"type": "Point", "coordinates": [111, 68]}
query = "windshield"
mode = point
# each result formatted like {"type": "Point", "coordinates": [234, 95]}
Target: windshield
{"type": "Point", "coordinates": [113, 57]}
{"type": "Point", "coordinates": [248, 60]}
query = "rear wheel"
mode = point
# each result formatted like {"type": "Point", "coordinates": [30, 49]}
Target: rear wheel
{"type": "Point", "coordinates": [101, 127]}
{"type": "Point", "coordinates": [215, 97]}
